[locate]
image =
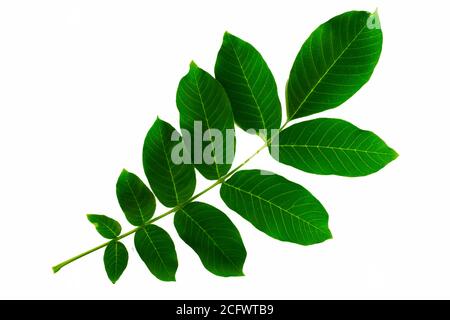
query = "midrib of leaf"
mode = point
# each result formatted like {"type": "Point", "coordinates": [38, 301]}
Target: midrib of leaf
{"type": "Point", "coordinates": [207, 122]}
{"type": "Point", "coordinates": [306, 146]}
{"type": "Point", "coordinates": [168, 165]}
{"type": "Point", "coordinates": [157, 251]}
{"type": "Point", "coordinates": [210, 238]}
{"type": "Point", "coordinates": [248, 85]}
{"type": "Point", "coordinates": [136, 200]}
{"type": "Point", "coordinates": [97, 224]}
{"type": "Point", "coordinates": [116, 257]}
{"type": "Point", "coordinates": [277, 206]}
{"type": "Point", "coordinates": [325, 74]}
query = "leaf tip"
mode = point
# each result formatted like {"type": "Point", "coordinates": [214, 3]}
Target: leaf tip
{"type": "Point", "coordinates": [158, 121]}
{"type": "Point", "coordinates": [229, 37]}
{"type": "Point", "coordinates": [327, 235]}
{"type": "Point", "coordinates": [89, 216]}
{"type": "Point", "coordinates": [193, 65]}
{"type": "Point", "coordinates": [395, 154]}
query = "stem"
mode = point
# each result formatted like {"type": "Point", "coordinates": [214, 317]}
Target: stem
{"type": "Point", "coordinates": [59, 266]}
{"type": "Point", "coordinates": [65, 263]}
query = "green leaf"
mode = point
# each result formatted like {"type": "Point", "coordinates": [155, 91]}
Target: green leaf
{"type": "Point", "coordinates": [213, 237]}
{"type": "Point", "coordinates": [156, 249]}
{"type": "Point", "coordinates": [172, 183]}
{"type": "Point", "coordinates": [334, 63]}
{"type": "Point", "coordinates": [115, 260]}
{"type": "Point", "coordinates": [107, 227]}
{"type": "Point", "coordinates": [278, 207]}
{"type": "Point", "coordinates": [205, 113]}
{"type": "Point", "coordinates": [332, 146]}
{"type": "Point", "coordinates": [249, 84]}
{"type": "Point", "coordinates": [136, 200]}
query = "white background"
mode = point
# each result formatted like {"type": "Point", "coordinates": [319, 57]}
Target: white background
{"type": "Point", "coordinates": [82, 81]}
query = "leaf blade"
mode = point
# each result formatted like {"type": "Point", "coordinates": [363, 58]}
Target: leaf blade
{"type": "Point", "coordinates": [249, 83]}
{"type": "Point", "coordinates": [172, 183]}
{"type": "Point", "coordinates": [157, 251]}
{"type": "Point", "coordinates": [115, 260]}
{"type": "Point", "coordinates": [105, 226]}
{"type": "Point", "coordinates": [212, 235]}
{"type": "Point", "coordinates": [276, 206]}
{"type": "Point", "coordinates": [336, 60]}
{"type": "Point", "coordinates": [332, 146]}
{"type": "Point", "coordinates": [201, 100]}
{"type": "Point", "coordinates": [136, 200]}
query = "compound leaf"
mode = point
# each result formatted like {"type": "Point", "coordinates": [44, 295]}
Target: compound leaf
{"type": "Point", "coordinates": [136, 200]}
{"type": "Point", "coordinates": [206, 115]}
{"type": "Point", "coordinates": [115, 260]}
{"type": "Point", "coordinates": [332, 146]}
{"type": "Point", "coordinates": [106, 226]}
{"type": "Point", "coordinates": [249, 84]}
{"type": "Point", "coordinates": [213, 237]}
{"type": "Point", "coordinates": [334, 63]}
{"type": "Point", "coordinates": [172, 182]}
{"type": "Point", "coordinates": [276, 206]}
{"type": "Point", "coordinates": [156, 249]}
